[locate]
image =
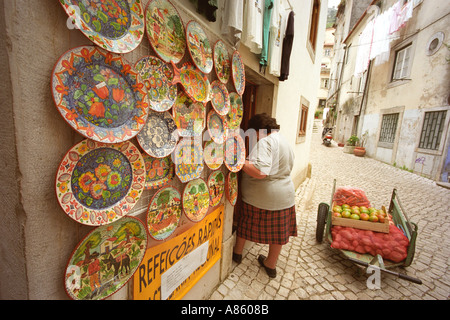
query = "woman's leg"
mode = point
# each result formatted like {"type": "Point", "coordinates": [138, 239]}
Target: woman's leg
{"type": "Point", "coordinates": [274, 252]}
{"type": "Point", "coordinates": [239, 245]}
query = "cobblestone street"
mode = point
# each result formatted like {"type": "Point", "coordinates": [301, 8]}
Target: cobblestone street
{"type": "Point", "coordinates": [309, 270]}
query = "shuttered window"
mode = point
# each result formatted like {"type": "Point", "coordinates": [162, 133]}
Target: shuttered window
{"type": "Point", "coordinates": [433, 126]}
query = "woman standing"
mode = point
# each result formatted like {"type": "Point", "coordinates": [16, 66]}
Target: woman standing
{"type": "Point", "coordinates": [267, 214]}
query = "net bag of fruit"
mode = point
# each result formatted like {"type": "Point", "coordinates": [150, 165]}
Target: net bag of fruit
{"type": "Point", "coordinates": [351, 196]}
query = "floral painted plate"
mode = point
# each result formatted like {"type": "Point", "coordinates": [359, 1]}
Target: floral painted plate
{"type": "Point", "coordinates": [199, 47]}
{"type": "Point", "coordinates": [238, 72]}
{"type": "Point", "coordinates": [195, 84]}
{"type": "Point", "coordinates": [189, 116]}
{"type": "Point", "coordinates": [157, 77]}
{"type": "Point", "coordinates": [158, 138]}
{"type": "Point", "coordinates": [234, 117]}
{"type": "Point", "coordinates": [105, 260]}
{"type": "Point", "coordinates": [217, 127]}
{"type": "Point", "coordinates": [158, 171]}
{"type": "Point", "coordinates": [231, 187]}
{"type": "Point", "coordinates": [220, 99]}
{"type": "Point", "coordinates": [213, 154]}
{"type": "Point", "coordinates": [99, 94]}
{"type": "Point", "coordinates": [114, 25]}
{"type": "Point", "coordinates": [222, 64]}
{"type": "Point", "coordinates": [165, 30]}
{"type": "Point", "coordinates": [216, 185]}
{"type": "Point", "coordinates": [188, 159]}
{"type": "Point", "coordinates": [234, 152]}
{"type": "Point", "coordinates": [164, 213]}
{"type": "Point", "coordinates": [196, 200]}
{"type": "Point", "coordinates": [97, 183]}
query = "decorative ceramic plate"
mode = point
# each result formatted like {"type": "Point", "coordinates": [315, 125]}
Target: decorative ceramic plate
{"type": "Point", "coordinates": [189, 116]}
{"type": "Point", "coordinates": [158, 138]}
{"type": "Point", "coordinates": [234, 152]}
{"type": "Point", "coordinates": [199, 46]}
{"type": "Point", "coordinates": [99, 94]}
{"type": "Point", "coordinates": [217, 127]}
{"type": "Point", "coordinates": [158, 171]}
{"type": "Point", "coordinates": [194, 83]}
{"type": "Point", "coordinates": [220, 99]}
{"type": "Point", "coordinates": [188, 159]}
{"type": "Point", "coordinates": [157, 77]}
{"type": "Point", "coordinates": [222, 64]}
{"type": "Point", "coordinates": [238, 72]}
{"type": "Point", "coordinates": [196, 200]}
{"type": "Point", "coordinates": [216, 185]}
{"type": "Point", "coordinates": [105, 260]}
{"type": "Point", "coordinates": [165, 30]}
{"type": "Point", "coordinates": [213, 154]}
{"type": "Point", "coordinates": [231, 187]}
{"type": "Point", "coordinates": [116, 26]}
{"type": "Point", "coordinates": [234, 117]}
{"type": "Point", "coordinates": [164, 212]}
{"type": "Point", "coordinates": [97, 183]}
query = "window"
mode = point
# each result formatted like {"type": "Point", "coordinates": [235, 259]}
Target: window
{"type": "Point", "coordinates": [388, 128]}
{"type": "Point", "coordinates": [402, 63]}
{"type": "Point", "coordinates": [302, 120]}
{"type": "Point", "coordinates": [433, 126]}
{"type": "Point", "coordinates": [324, 83]}
{"type": "Point", "coordinates": [313, 28]}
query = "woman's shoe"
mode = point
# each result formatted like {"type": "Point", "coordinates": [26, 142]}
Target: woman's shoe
{"type": "Point", "coordinates": [272, 273]}
{"type": "Point", "coordinates": [237, 257]}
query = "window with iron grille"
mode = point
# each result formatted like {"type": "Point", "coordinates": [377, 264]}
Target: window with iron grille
{"type": "Point", "coordinates": [433, 125]}
{"type": "Point", "coordinates": [388, 128]}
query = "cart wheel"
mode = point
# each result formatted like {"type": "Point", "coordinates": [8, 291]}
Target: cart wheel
{"type": "Point", "coordinates": [321, 220]}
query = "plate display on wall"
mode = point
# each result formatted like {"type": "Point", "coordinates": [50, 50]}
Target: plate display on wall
{"type": "Point", "coordinates": [238, 72]}
{"type": "Point", "coordinates": [105, 260]}
{"type": "Point", "coordinates": [216, 185]}
{"type": "Point", "coordinates": [97, 183]}
{"type": "Point", "coordinates": [231, 187]}
{"type": "Point", "coordinates": [159, 171]}
{"type": "Point", "coordinates": [217, 127]}
{"type": "Point", "coordinates": [116, 26]}
{"type": "Point", "coordinates": [99, 94]}
{"type": "Point", "coordinates": [199, 47]}
{"type": "Point", "coordinates": [213, 154]}
{"type": "Point", "coordinates": [189, 116]}
{"type": "Point", "coordinates": [234, 152]}
{"type": "Point", "coordinates": [220, 99]}
{"type": "Point", "coordinates": [196, 200]}
{"type": "Point", "coordinates": [158, 138]}
{"type": "Point", "coordinates": [195, 85]}
{"type": "Point", "coordinates": [157, 77]}
{"type": "Point", "coordinates": [165, 30]}
{"type": "Point", "coordinates": [222, 64]}
{"type": "Point", "coordinates": [188, 159]}
{"type": "Point", "coordinates": [164, 212]}
{"type": "Point", "coordinates": [234, 117]}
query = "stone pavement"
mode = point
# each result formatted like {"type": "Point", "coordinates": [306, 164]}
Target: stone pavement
{"type": "Point", "coordinates": [309, 270]}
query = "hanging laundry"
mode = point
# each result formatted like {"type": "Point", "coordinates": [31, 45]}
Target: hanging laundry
{"type": "Point", "coordinates": [276, 35]}
{"type": "Point", "coordinates": [232, 13]}
{"type": "Point", "coordinates": [364, 48]}
{"type": "Point", "coordinates": [253, 25]}
{"type": "Point", "coordinates": [266, 28]}
{"type": "Point", "coordinates": [287, 48]}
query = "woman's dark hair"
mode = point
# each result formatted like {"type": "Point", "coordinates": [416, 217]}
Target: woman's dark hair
{"type": "Point", "coordinates": [263, 121]}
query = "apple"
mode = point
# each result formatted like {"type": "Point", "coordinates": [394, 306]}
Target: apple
{"type": "Point", "coordinates": [372, 209]}
{"type": "Point", "coordinates": [355, 207]}
{"type": "Point", "coordinates": [364, 210]}
{"type": "Point", "coordinates": [381, 219]}
{"type": "Point", "coordinates": [373, 218]}
{"type": "Point", "coordinates": [346, 214]}
{"type": "Point", "coordinates": [355, 211]}
{"type": "Point", "coordinates": [337, 209]}
{"type": "Point", "coordinates": [355, 216]}
{"type": "Point", "coordinates": [364, 216]}
{"type": "Point", "coordinates": [337, 214]}
{"type": "Point", "coordinates": [345, 206]}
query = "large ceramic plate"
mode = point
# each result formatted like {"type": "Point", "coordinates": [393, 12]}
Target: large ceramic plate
{"type": "Point", "coordinates": [158, 171]}
{"type": "Point", "coordinates": [234, 152]}
{"type": "Point", "coordinates": [97, 183]}
{"type": "Point", "coordinates": [189, 116]}
{"type": "Point", "coordinates": [231, 187]}
{"type": "Point", "coordinates": [216, 185]}
{"type": "Point", "coordinates": [222, 64]}
{"type": "Point", "coordinates": [157, 77]}
{"type": "Point", "coordinates": [99, 94]}
{"type": "Point", "coordinates": [234, 117]}
{"type": "Point", "coordinates": [238, 72]}
{"type": "Point", "coordinates": [217, 127]}
{"type": "Point", "coordinates": [165, 30]}
{"type": "Point", "coordinates": [195, 84]}
{"type": "Point", "coordinates": [164, 212]}
{"type": "Point", "coordinates": [213, 154]}
{"type": "Point", "coordinates": [114, 25]}
{"type": "Point", "coordinates": [199, 46]}
{"type": "Point", "coordinates": [188, 159]}
{"type": "Point", "coordinates": [220, 99]}
{"type": "Point", "coordinates": [158, 138]}
{"type": "Point", "coordinates": [196, 200]}
{"type": "Point", "coordinates": [105, 260]}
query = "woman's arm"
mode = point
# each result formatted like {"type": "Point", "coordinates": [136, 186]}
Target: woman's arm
{"type": "Point", "coordinates": [252, 171]}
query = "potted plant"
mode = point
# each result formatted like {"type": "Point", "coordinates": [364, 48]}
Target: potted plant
{"type": "Point", "coordinates": [360, 150]}
{"type": "Point", "coordinates": [351, 143]}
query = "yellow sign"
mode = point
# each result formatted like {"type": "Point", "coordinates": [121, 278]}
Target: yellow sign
{"type": "Point", "coordinates": [169, 257]}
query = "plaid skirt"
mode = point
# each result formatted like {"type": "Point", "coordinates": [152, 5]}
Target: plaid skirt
{"type": "Point", "coordinates": [266, 226]}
